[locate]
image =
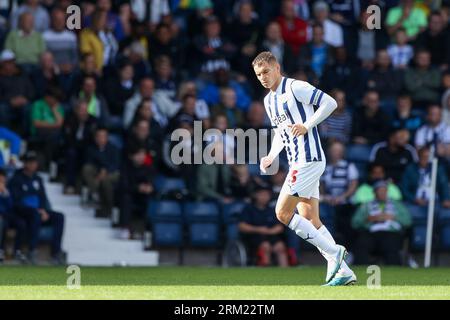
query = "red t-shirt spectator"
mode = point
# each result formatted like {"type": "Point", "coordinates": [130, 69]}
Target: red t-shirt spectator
{"type": "Point", "coordinates": [294, 32]}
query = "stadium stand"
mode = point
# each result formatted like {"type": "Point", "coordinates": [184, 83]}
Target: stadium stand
{"type": "Point", "coordinates": [140, 72]}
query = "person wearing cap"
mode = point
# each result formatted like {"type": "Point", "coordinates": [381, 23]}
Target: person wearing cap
{"type": "Point", "coordinates": [260, 229]}
{"type": "Point", "coordinates": [30, 201]}
{"type": "Point", "coordinates": [16, 93]}
{"type": "Point", "coordinates": [381, 225]}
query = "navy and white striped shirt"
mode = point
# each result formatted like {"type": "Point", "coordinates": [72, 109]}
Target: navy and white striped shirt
{"type": "Point", "coordinates": [338, 177]}
{"type": "Point", "coordinates": [400, 56]}
{"type": "Point", "coordinates": [295, 101]}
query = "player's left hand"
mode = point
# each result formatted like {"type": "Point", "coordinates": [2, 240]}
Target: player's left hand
{"type": "Point", "coordinates": [297, 129]}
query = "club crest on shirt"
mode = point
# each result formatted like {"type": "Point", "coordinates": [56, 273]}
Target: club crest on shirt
{"type": "Point", "coordinates": [283, 98]}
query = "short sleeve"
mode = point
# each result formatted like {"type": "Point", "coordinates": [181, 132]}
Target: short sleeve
{"type": "Point", "coordinates": [352, 172]}
{"type": "Point", "coordinates": [419, 140]}
{"type": "Point", "coordinates": [446, 137]}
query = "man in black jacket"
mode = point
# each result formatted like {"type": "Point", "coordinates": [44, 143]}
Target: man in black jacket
{"type": "Point", "coordinates": [135, 187]}
{"type": "Point", "coordinates": [101, 171]}
{"type": "Point", "coordinates": [31, 203]}
{"type": "Point", "coordinates": [79, 130]}
{"type": "Point", "coordinates": [394, 154]}
{"type": "Point", "coordinates": [370, 124]}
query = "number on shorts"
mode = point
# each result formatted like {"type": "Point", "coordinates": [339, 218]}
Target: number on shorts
{"type": "Point", "coordinates": [294, 176]}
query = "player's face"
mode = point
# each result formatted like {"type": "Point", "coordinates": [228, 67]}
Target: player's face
{"type": "Point", "coordinates": [267, 73]}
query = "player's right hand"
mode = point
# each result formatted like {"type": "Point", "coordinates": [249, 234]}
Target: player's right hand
{"type": "Point", "coordinates": [265, 162]}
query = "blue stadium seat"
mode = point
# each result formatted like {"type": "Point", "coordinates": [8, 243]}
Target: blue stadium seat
{"type": "Point", "coordinates": [445, 237]}
{"type": "Point", "coordinates": [164, 211]}
{"type": "Point", "coordinates": [232, 211]}
{"type": "Point", "coordinates": [207, 211]}
{"type": "Point", "coordinates": [444, 215]}
{"type": "Point", "coordinates": [168, 234]}
{"type": "Point", "coordinates": [418, 214]}
{"type": "Point", "coordinates": [203, 219]}
{"type": "Point", "coordinates": [204, 234]}
{"type": "Point", "coordinates": [164, 184]}
{"type": "Point", "coordinates": [230, 218]}
{"type": "Point", "coordinates": [419, 235]}
{"type": "Point", "coordinates": [358, 153]}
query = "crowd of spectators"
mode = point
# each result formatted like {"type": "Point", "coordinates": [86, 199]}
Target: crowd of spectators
{"type": "Point", "coordinates": [99, 105]}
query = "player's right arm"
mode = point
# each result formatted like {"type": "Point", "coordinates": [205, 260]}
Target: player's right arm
{"type": "Point", "coordinates": [275, 149]}
{"type": "Point", "coordinates": [277, 143]}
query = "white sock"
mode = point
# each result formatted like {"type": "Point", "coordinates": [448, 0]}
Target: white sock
{"type": "Point", "coordinates": [306, 230]}
{"type": "Point", "coordinates": [324, 232]}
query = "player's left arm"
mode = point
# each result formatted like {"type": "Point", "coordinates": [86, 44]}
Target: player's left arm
{"type": "Point", "coordinates": [308, 94]}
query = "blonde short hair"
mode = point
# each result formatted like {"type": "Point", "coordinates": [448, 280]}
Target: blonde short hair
{"type": "Point", "coordinates": [265, 56]}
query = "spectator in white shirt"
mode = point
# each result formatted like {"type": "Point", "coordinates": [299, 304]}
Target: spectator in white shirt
{"type": "Point", "coordinates": [435, 133]}
{"type": "Point", "coordinates": [333, 33]}
{"type": "Point", "coordinates": [145, 92]}
{"type": "Point", "coordinates": [150, 11]}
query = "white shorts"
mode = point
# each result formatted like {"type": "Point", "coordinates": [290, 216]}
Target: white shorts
{"type": "Point", "coordinates": [303, 179]}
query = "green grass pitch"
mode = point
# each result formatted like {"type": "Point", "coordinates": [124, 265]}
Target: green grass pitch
{"type": "Point", "coordinates": [218, 283]}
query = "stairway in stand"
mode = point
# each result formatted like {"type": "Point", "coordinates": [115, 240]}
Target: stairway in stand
{"type": "Point", "coordinates": [91, 241]}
